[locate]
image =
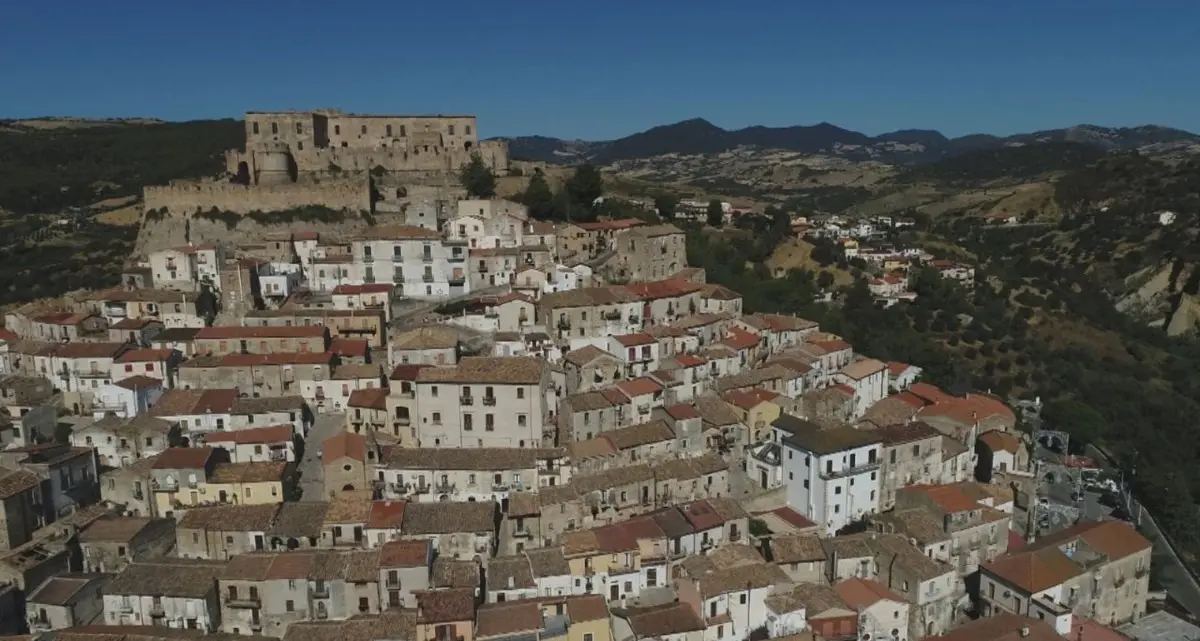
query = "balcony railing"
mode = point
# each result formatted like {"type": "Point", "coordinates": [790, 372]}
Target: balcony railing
{"type": "Point", "coordinates": [489, 400]}
{"type": "Point", "coordinates": [92, 373]}
{"type": "Point", "coordinates": [466, 400]}
{"type": "Point", "coordinates": [164, 486]}
{"type": "Point", "coordinates": [157, 609]}
{"type": "Point", "coordinates": [858, 468]}
{"type": "Point", "coordinates": [456, 280]}
{"type": "Point", "coordinates": [428, 278]}
{"type": "Point", "coordinates": [426, 258]}
{"type": "Point", "coordinates": [320, 591]}
{"type": "Point", "coordinates": [522, 533]}
{"type": "Point", "coordinates": [248, 602]}
{"type": "Point", "coordinates": [445, 488]}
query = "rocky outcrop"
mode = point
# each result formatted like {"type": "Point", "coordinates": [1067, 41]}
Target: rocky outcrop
{"type": "Point", "coordinates": [160, 231]}
{"type": "Point", "coordinates": [1186, 316]}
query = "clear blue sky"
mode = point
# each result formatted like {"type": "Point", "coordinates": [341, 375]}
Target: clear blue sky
{"type": "Point", "coordinates": [609, 68]}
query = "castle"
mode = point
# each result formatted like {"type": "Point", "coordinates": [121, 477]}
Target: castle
{"type": "Point", "coordinates": [282, 145]}
{"type": "Point", "coordinates": [333, 159]}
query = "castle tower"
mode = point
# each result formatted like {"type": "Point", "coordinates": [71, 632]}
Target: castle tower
{"type": "Point", "coordinates": [273, 163]}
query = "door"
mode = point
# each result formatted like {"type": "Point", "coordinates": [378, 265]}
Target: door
{"type": "Point", "coordinates": [258, 542]}
{"type": "Point", "coordinates": [614, 592]}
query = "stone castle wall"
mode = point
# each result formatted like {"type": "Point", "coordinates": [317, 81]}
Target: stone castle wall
{"type": "Point", "coordinates": [186, 197]}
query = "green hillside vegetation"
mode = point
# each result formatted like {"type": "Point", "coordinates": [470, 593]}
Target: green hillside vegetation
{"type": "Point", "coordinates": [1008, 163]}
{"type": "Point", "coordinates": [46, 170]}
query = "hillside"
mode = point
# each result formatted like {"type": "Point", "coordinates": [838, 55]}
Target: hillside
{"type": "Point", "coordinates": [909, 146]}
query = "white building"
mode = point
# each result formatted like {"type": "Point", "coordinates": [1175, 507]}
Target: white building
{"type": "Point", "coordinates": [415, 260]}
{"type": "Point", "coordinates": [172, 593]}
{"type": "Point", "coordinates": [483, 402]}
{"type": "Point", "coordinates": [187, 267]}
{"type": "Point", "coordinates": [127, 397]}
{"type": "Point", "coordinates": [869, 378]}
{"type": "Point", "coordinates": [832, 473]}
{"type": "Point", "coordinates": [257, 444]}
{"type": "Point", "coordinates": [882, 614]}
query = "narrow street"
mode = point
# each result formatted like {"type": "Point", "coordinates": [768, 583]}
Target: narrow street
{"type": "Point", "coordinates": [312, 475]}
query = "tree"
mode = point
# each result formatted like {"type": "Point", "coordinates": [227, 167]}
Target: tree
{"type": "Point", "coordinates": [477, 178]}
{"type": "Point", "coordinates": [539, 199]}
{"type": "Point", "coordinates": [824, 280]}
{"type": "Point", "coordinates": [716, 215]}
{"type": "Point", "coordinates": [585, 185]}
{"type": "Point", "coordinates": [666, 204]}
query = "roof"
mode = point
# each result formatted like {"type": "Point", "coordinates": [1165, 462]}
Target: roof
{"type": "Point", "coordinates": [590, 607]}
{"type": "Point", "coordinates": [398, 232]}
{"type": "Point", "coordinates": [522, 617]}
{"type": "Point", "coordinates": [797, 548]}
{"type": "Point", "coordinates": [516, 370]}
{"type": "Point", "coordinates": [449, 518]}
{"type": "Point", "coordinates": [90, 350]}
{"type": "Point", "coordinates": [445, 606]}
{"type": "Point", "coordinates": [546, 562]}
{"type": "Point", "coordinates": [633, 340]}
{"type": "Point", "coordinates": [407, 372]}
{"type": "Point", "coordinates": [254, 435]}
{"type": "Point", "coordinates": [273, 331]}
{"type": "Point", "coordinates": [719, 292]}
{"type": "Point", "coordinates": [373, 398]}
{"type": "Point", "coordinates": [352, 347]}
{"type": "Point", "coordinates": [139, 382]}
{"type": "Point", "coordinates": [792, 517]}
{"type": "Point", "coordinates": [249, 472]}
{"type": "Point", "coordinates": [901, 433]}
{"type": "Point", "coordinates": [639, 387]}
{"type": "Point", "coordinates": [184, 458]}
{"type": "Point", "coordinates": [864, 593]}
{"type": "Point", "coordinates": [267, 404]}
{"type": "Point", "coordinates": [366, 288]}
{"type": "Point", "coordinates": [1001, 627]}
{"type": "Point", "coordinates": [181, 402]}
{"type": "Point", "coordinates": [230, 518]}
{"type": "Point", "coordinates": [405, 554]}
{"type": "Point", "coordinates": [625, 438]}
{"type": "Point", "coordinates": [145, 355]}
{"type": "Point", "coordinates": [449, 573]}
{"type": "Point", "coordinates": [13, 482]}
{"type": "Point", "coordinates": [386, 515]}
{"type": "Point", "coordinates": [116, 528]}
{"type": "Point", "coordinates": [299, 519]}
{"type": "Point", "coordinates": [999, 441]}
{"type": "Point", "coordinates": [859, 370]}
{"type": "Point", "coordinates": [659, 621]}
{"type": "Point", "coordinates": [970, 409]}
{"type": "Point", "coordinates": [430, 337]}
{"type": "Point", "coordinates": [344, 445]}
{"type": "Point", "coordinates": [484, 458]}
{"type": "Point", "coordinates": [811, 437]}
{"type": "Point", "coordinates": [65, 589]}
{"type": "Point", "coordinates": [169, 577]}
{"type": "Point", "coordinates": [749, 398]}
{"type": "Point", "coordinates": [509, 572]}
{"type": "Point", "coordinates": [584, 355]}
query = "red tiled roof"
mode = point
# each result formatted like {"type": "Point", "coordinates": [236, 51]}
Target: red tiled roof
{"type": "Point", "coordinates": [344, 445]}
{"type": "Point", "coordinates": [793, 517]}
{"type": "Point", "coordinates": [183, 458]}
{"type": "Point", "coordinates": [663, 288]}
{"type": "Point", "coordinates": [615, 538]}
{"type": "Point", "coordinates": [1001, 441]}
{"type": "Point", "coordinates": [355, 347]}
{"type": "Point", "coordinates": [89, 350]}
{"type": "Point", "coordinates": [237, 331]}
{"type": "Point", "coordinates": [896, 368]}
{"type": "Point", "coordinates": [842, 387]}
{"type": "Point", "coordinates": [833, 346]}
{"type": "Point", "coordinates": [972, 408]}
{"type": "Point", "coordinates": [132, 323]}
{"type": "Point", "coordinates": [701, 515]}
{"type": "Point", "coordinates": [633, 340]}
{"type": "Point", "coordinates": [949, 498]}
{"type": "Point", "coordinates": [864, 593]}
{"type": "Point", "coordinates": [306, 235]}
{"type": "Point", "coordinates": [216, 401]}
{"type": "Point", "coordinates": [613, 395]}
{"type": "Point", "coordinates": [254, 435]}
{"type": "Point", "coordinates": [639, 386]}
{"type": "Point", "coordinates": [367, 288]}
{"type": "Point", "coordinates": [145, 355]}
{"type": "Point", "coordinates": [929, 393]}
{"type": "Point", "coordinates": [740, 339]}
{"type": "Point", "coordinates": [749, 398]}
{"type": "Point", "coordinates": [374, 398]}
{"type": "Point", "coordinates": [6, 335]}
{"type": "Point", "coordinates": [386, 515]}
{"type": "Point", "coordinates": [689, 360]}
{"type": "Point", "coordinates": [407, 372]}
{"type": "Point", "coordinates": [403, 554]}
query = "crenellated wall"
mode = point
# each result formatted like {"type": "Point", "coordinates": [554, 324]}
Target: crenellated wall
{"type": "Point", "coordinates": [351, 193]}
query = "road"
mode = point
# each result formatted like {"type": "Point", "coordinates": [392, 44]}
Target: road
{"type": "Point", "coordinates": [312, 475]}
{"type": "Point", "coordinates": [1168, 568]}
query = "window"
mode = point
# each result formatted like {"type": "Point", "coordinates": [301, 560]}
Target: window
{"type": "Point", "coordinates": [388, 129]}
{"type": "Point", "coordinates": [520, 420]}
{"type": "Point", "coordinates": [299, 128]}
{"type": "Point", "coordinates": [289, 605]}
{"type": "Point", "coordinates": [437, 418]}
{"type": "Point", "coordinates": [120, 550]}
{"type": "Point", "coordinates": [195, 537]}
{"type": "Point", "coordinates": [837, 490]}
{"type": "Point", "coordinates": [468, 421]}
{"type": "Point", "coordinates": [892, 456]}
{"type": "Point", "coordinates": [520, 392]}
{"type": "Point", "coordinates": [364, 130]}
{"type": "Point", "coordinates": [433, 391]}
{"type": "Point", "coordinates": [917, 449]}
{"type": "Point", "coordinates": [450, 130]}
{"type": "Point", "coordinates": [467, 131]}
{"type": "Point", "coordinates": [805, 480]}
{"type": "Point", "coordinates": [274, 128]}
{"type": "Point", "coordinates": [256, 129]}
{"type": "Point", "coordinates": [489, 422]}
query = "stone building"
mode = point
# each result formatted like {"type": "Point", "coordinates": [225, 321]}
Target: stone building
{"type": "Point", "coordinates": [912, 455]}
{"type": "Point", "coordinates": [111, 543]}
{"type": "Point", "coordinates": [652, 252]}
{"type": "Point", "coordinates": [65, 601]}
{"type": "Point", "coordinates": [280, 146]}
{"type": "Point", "coordinates": [175, 593]}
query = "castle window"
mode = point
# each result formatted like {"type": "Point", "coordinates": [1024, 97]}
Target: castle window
{"type": "Point", "coordinates": [299, 145]}
{"type": "Point", "coordinates": [299, 128]}
{"type": "Point", "coordinates": [337, 130]}
{"type": "Point", "coordinates": [403, 131]}
{"type": "Point", "coordinates": [364, 130]}
{"type": "Point", "coordinates": [389, 131]}
{"type": "Point", "coordinates": [467, 130]}
{"type": "Point", "coordinates": [274, 128]}
{"type": "Point", "coordinates": [256, 129]}
{"type": "Point", "coordinates": [451, 130]}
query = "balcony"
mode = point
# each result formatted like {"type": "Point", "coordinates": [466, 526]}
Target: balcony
{"type": "Point", "coordinates": [398, 279]}
{"type": "Point", "coordinates": [164, 486]}
{"type": "Point", "coordinates": [92, 373]}
{"type": "Point", "coordinates": [445, 488]}
{"type": "Point", "coordinates": [858, 468]}
{"type": "Point", "coordinates": [466, 400]}
{"type": "Point", "coordinates": [278, 455]}
{"type": "Point", "coordinates": [251, 602]}
{"type": "Point", "coordinates": [522, 533]}
{"type": "Point", "coordinates": [427, 278]}
{"type": "Point", "coordinates": [457, 279]}
{"type": "Point", "coordinates": [373, 305]}
{"type": "Point", "coordinates": [398, 488]}
{"type": "Point", "coordinates": [489, 400]}
{"type": "Point", "coordinates": [115, 408]}
{"type": "Point", "coordinates": [320, 591]}
{"type": "Point", "coordinates": [427, 258]}
{"type": "Point", "coordinates": [37, 625]}
{"type": "Point", "coordinates": [456, 257]}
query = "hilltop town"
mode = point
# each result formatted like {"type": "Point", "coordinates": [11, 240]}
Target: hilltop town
{"type": "Point", "coordinates": [427, 415]}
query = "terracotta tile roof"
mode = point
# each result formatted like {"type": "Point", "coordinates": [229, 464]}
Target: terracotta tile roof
{"type": "Point", "coordinates": [350, 347]}
{"type": "Point", "coordinates": [896, 368]}
{"type": "Point", "coordinates": [116, 528]}
{"type": "Point", "coordinates": [502, 569]}
{"type": "Point", "coordinates": [611, 225]}
{"type": "Point", "coordinates": [449, 573]}
{"type": "Point", "coordinates": [386, 515]}
{"type": "Point", "coordinates": [633, 340]}
{"type": "Point", "coordinates": [719, 292]}
{"type": "Point", "coordinates": [797, 548]}
{"type": "Point", "coordinates": [663, 620]}
{"type": "Point", "coordinates": [901, 433]}
{"type": "Point", "coordinates": [449, 518]}
{"type": "Point", "coordinates": [239, 332]}
{"type": "Point", "coordinates": [90, 350]}
{"type": "Point", "coordinates": [145, 355]}
{"type": "Point", "coordinates": [639, 387]}
{"type": "Point", "coordinates": [1001, 627]}
{"type": "Point", "coordinates": [405, 554]}
{"type": "Point", "coordinates": [1000, 441]}
{"type": "Point", "coordinates": [739, 340]}
{"type": "Point", "coordinates": [184, 458]}
{"type": "Point", "coordinates": [267, 404]}
{"type": "Point", "coordinates": [584, 355]}
{"type": "Point", "coordinates": [972, 408]}
{"type": "Point", "coordinates": [499, 459]}
{"type": "Point", "coordinates": [689, 360]}
{"type": "Point", "coordinates": [859, 370]}
{"type": "Point", "coordinates": [445, 606]}
{"type": "Point", "coordinates": [511, 619]}
{"type": "Point", "coordinates": [168, 577]}
{"type": "Point", "coordinates": [591, 607]}
{"type": "Point", "coordinates": [626, 438]}
{"type": "Point", "coordinates": [792, 517]}
{"type": "Point", "coordinates": [930, 394]}
{"type": "Point", "coordinates": [230, 518]}
{"type": "Point", "coordinates": [278, 358]}
{"type": "Point", "coordinates": [861, 594]}
{"type": "Point", "coordinates": [398, 232]}
{"type": "Point", "coordinates": [749, 399]}
{"type": "Point", "coordinates": [249, 472]}
{"type": "Point", "coordinates": [701, 515]}
{"type": "Point", "coordinates": [836, 345]}
{"type": "Point", "coordinates": [373, 398]}
{"type": "Point", "coordinates": [407, 372]}
{"type": "Point", "coordinates": [681, 412]}
{"type": "Point", "coordinates": [254, 435]}
{"type": "Point", "coordinates": [64, 590]}
{"type": "Point", "coordinates": [823, 440]}
{"type": "Point", "coordinates": [349, 507]}
{"type": "Point", "coordinates": [344, 445]}
{"type": "Point", "coordinates": [518, 370]}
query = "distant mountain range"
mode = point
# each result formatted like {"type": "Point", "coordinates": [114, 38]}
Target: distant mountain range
{"type": "Point", "coordinates": [908, 146]}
